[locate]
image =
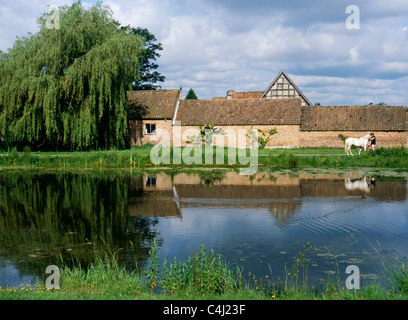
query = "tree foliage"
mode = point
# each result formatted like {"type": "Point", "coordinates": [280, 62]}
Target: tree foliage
{"type": "Point", "coordinates": [147, 67]}
{"type": "Point", "coordinates": [264, 136]}
{"type": "Point", "coordinates": [191, 94]}
{"type": "Point", "coordinates": [66, 88]}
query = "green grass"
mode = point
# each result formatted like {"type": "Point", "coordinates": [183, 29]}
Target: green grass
{"type": "Point", "coordinates": [301, 151]}
{"type": "Point", "coordinates": [396, 158]}
{"type": "Point", "coordinates": [204, 275]}
{"type": "Point", "coordinates": [140, 157]}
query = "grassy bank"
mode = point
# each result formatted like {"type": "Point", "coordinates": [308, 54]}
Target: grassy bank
{"type": "Point", "coordinates": [395, 158]}
{"type": "Point", "coordinates": [139, 157]}
{"type": "Point", "coordinates": [204, 275]}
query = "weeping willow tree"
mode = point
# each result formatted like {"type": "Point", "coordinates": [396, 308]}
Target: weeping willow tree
{"type": "Point", "coordinates": [65, 88]}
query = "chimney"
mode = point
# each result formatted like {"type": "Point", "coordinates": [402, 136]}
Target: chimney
{"type": "Point", "coordinates": [230, 93]}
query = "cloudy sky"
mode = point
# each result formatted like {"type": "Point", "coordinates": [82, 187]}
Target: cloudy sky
{"type": "Point", "coordinates": [216, 45]}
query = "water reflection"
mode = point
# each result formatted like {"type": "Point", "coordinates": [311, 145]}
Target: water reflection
{"type": "Point", "coordinates": [45, 215]}
{"type": "Point", "coordinates": [229, 189]}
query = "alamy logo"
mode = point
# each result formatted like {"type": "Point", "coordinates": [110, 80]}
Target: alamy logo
{"type": "Point", "coordinates": [353, 20]}
{"type": "Point", "coordinates": [353, 280]}
{"type": "Point", "coordinates": [193, 154]}
{"type": "Point", "coordinates": [53, 281]}
{"type": "Point", "coordinates": [53, 19]}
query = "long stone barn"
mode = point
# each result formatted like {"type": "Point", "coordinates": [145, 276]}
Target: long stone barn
{"type": "Point", "coordinates": [282, 106]}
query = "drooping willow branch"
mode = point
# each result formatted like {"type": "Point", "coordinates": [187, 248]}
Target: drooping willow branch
{"type": "Point", "coordinates": [66, 88]}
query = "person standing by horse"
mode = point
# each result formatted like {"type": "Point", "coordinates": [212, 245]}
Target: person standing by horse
{"type": "Point", "coordinates": [371, 146]}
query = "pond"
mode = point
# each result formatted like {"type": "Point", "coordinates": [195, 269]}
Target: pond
{"type": "Point", "coordinates": [260, 222]}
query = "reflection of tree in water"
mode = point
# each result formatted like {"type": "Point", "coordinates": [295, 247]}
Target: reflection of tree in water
{"type": "Point", "coordinates": [210, 178]}
{"type": "Point", "coordinates": [140, 239]}
{"type": "Point", "coordinates": [44, 216]}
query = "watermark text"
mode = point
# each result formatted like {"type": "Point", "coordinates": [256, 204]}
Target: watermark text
{"type": "Point", "coordinates": [353, 20]}
{"type": "Point", "coordinates": [193, 153]}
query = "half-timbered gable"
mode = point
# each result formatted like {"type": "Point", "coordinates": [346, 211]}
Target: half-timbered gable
{"type": "Point", "coordinates": [284, 87]}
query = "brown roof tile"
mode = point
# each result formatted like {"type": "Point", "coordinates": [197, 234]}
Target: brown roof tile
{"type": "Point", "coordinates": [152, 104]}
{"type": "Point", "coordinates": [353, 118]}
{"type": "Point", "coordinates": [239, 112]}
{"type": "Point", "coordinates": [247, 95]}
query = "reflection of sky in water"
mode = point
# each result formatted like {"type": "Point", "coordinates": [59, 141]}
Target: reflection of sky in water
{"type": "Point", "coordinates": [10, 277]}
{"type": "Point", "coordinates": [341, 231]}
{"type": "Point", "coordinates": [264, 224]}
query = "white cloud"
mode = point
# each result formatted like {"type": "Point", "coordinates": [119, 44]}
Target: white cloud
{"type": "Point", "coordinates": [354, 56]}
{"type": "Point", "coordinates": [331, 90]}
{"type": "Point", "coordinates": [213, 46]}
{"type": "Point", "coordinates": [19, 17]}
{"type": "Point", "coordinates": [151, 14]}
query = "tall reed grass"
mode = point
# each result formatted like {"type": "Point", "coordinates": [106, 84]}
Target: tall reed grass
{"type": "Point", "coordinates": [203, 275]}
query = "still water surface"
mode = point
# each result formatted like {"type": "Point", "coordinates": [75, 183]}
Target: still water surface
{"type": "Point", "coordinates": [260, 222]}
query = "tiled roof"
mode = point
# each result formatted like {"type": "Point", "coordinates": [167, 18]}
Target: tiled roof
{"type": "Point", "coordinates": [152, 104]}
{"type": "Point", "coordinates": [239, 112]}
{"type": "Point", "coordinates": [247, 95]}
{"type": "Point", "coordinates": [353, 118]}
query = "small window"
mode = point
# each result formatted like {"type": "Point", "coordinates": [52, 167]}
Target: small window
{"type": "Point", "coordinates": [150, 182]}
{"type": "Point", "coordinates": [150, 128]}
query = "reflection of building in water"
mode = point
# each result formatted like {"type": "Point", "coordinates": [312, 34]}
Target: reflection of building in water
{"type": "Point", "coordinates": [282, 209]}
{"type": "Point", "coordinates": [280, 194]}
{"type": "Point", "coordinates": [150, 182]}
{"type": "Point", "coordinates": [153, 196]}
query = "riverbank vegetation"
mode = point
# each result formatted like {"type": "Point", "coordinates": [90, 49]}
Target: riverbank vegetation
{"type": "Point", "coordinates": [139, 157]}
{"type": "Point", "coordinates": [204, 275]}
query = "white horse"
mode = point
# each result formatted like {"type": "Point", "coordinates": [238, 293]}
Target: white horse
{"type": "Point", "coordinates": [358, 142]}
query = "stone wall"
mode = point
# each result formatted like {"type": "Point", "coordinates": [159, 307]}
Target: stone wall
{"type": "Point", "coordinates": [138, 135]}
{"type": "Point", "coordinates": [288, 136]}
{"type": "Point", "coordinates": [330, 139]}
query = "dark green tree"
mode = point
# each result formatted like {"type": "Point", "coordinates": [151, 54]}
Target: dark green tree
{"type": "Point", "coordinates": [147, 68]}
{"type": "Point", "coordinates": [65, 88]}
{"type": "Point", "coordinates": [191, 94]}
{"type": "Point", "coordinates": [382, 103]}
